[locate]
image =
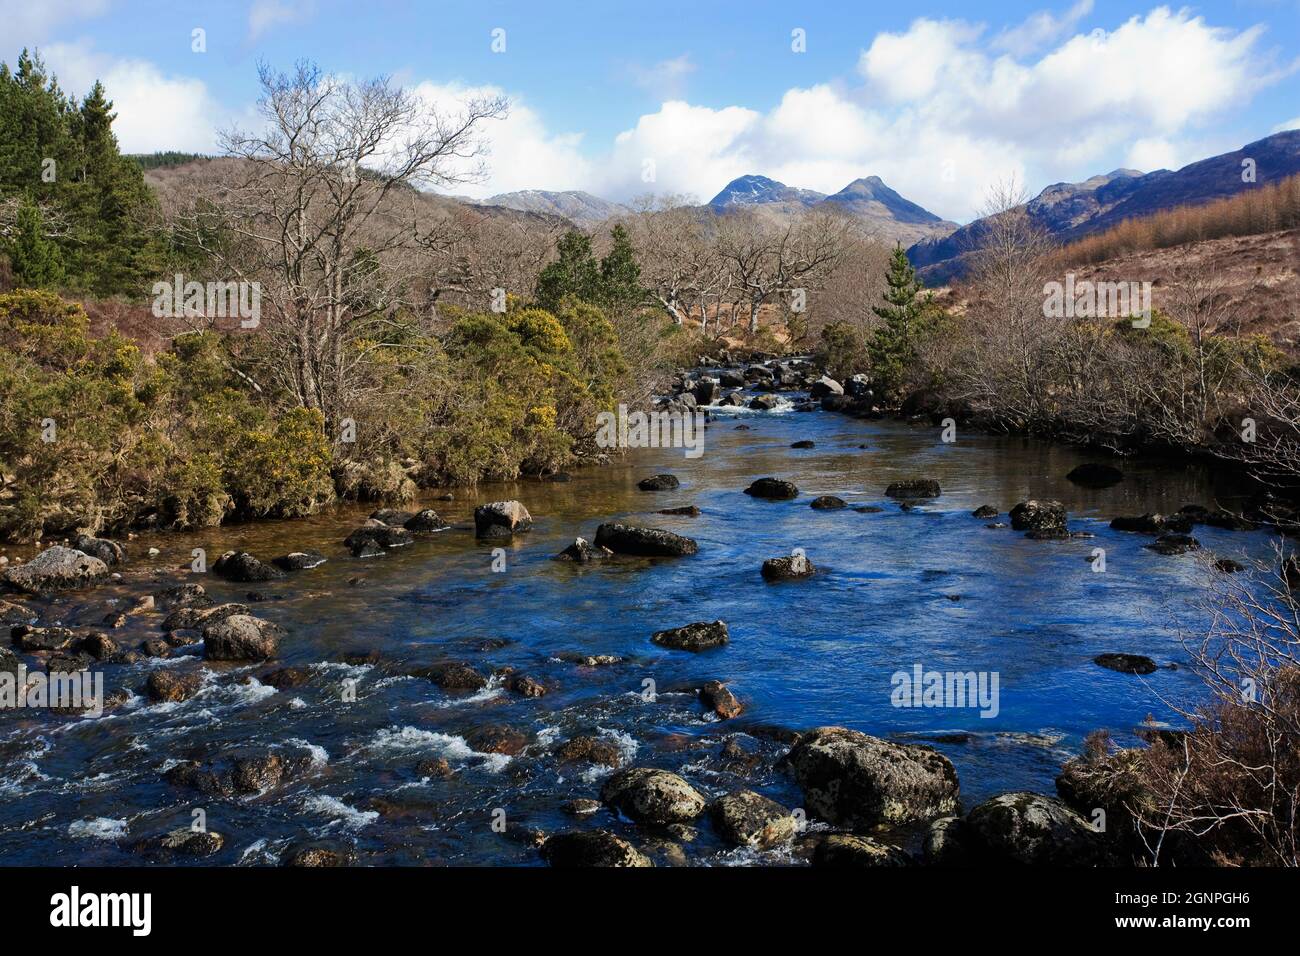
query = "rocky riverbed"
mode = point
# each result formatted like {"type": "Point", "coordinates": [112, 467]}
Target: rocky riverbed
{"type": "Point", "coordinates": [434, 687]}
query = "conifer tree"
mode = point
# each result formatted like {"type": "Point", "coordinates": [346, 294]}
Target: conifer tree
{"type": "Point", "coordinates": [908, 316]}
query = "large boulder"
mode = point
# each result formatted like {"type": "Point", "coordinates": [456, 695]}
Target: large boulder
{"type": "Point", "coordinates": [825, 386]}
{"type": "Point", "coordinates": [241, 637]}
{"type": "Point", "coordinates": [645, 542]}
{"type": "Point", "coordinates": [242, 566]}
{"type": "Point", "coordinates": [56, 569]}
{"type": "Point", "coordinates": [914, 488]}
{"type": "Point", "coordinates": [1033, 830]}
{"type": "Point", "coordinates": [1041, 517]}
{"type": "Point", "coordinates": [746, 818]}
{"type": "Point", "coordinates": [108, 551]}
{"type": "Point", "coordinates": [858, 781]}
{"type": "Point", "coordinates": [647, 795]}
{"type": "Point", "coordinates": [775, 488]}
{"type": "Point", "coordinates": [700, 636]}
{"type": "Point", "coordinates": [591, 848]}
{"type": "Point", "coordinates": [827, 503]}
{"type": "Point", "coordinates": [195, 617]}
{"type": "Point", "coordinates": [501, 519]}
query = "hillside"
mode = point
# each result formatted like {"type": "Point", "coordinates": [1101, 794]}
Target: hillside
{"type": "Point", "coordinates": [580, 208]}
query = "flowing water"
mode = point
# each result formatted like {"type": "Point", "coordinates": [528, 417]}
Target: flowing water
{"type": "Point", "coordinates": [933, 586]}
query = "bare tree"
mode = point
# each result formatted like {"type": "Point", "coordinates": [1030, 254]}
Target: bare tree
{"type": "Point", "coordinates": [324, 212]}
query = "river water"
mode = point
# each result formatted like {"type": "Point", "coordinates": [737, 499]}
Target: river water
{"type": "Point", "coordinates": [933, 586]}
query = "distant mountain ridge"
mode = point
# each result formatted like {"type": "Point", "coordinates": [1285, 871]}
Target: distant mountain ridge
{"type": "Point", "coordinates": [580, 208]}
{"type": "Point", "coordinates": [1070, 211]}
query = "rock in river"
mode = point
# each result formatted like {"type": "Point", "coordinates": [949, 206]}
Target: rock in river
{"type": "Point", "coordinates": [827, 503]}
{"type": "Point", "coordinates": [746, 818]}
{"type": "Point", "coordinates": [166, 686]}
{"type": "Point", "coordinates": [659, 483]}
{"type": "Point", "coordinates": [1039, 516]}
{"type": "Point", "coordinates": [299, 560]}
{"type": "Point", "coordinates": [1173, 544]}
{"type": "Point", "coordinates": [645, 542]}
{"type": "Point", "coordinates": [1126, 663]}
{"type": "Point", "coordinates": [591, 848]}
{"type": "Point", "coordinates": [857, 781]}
{"type": "Point", "coordinates": [776, 489]}
{"type": "Point", "coordinates": [242, 566]}
{"type": "Point", "coordinates": [56, 569]}
{"type": "Point", "coordinates": [425, 521]}
{"type": "Point", "coordinates": [1095, 475]}
{"type": "Point", "coordinates": [716, 697]}
{"type": "Point", "coordinates": [787, 568]}
{"type": "Point", "coordinates": [241, 637]}
{"type": "Point", "coordinates": [914, 488]}
{"type": "Point", "coordinates": [1034, 830]}
{"type": "Point", "coordinates": [108, 551]}
{"type": "Point", "coordinates": [584, 552]}
{"type": "Point", "coordinates": [501, 519]}
{"type": "Point", "coordinates": [701, 636]}
{"type": "Point", "coordinates": [842, 850]}
{"type": "Point", "coordinates": [647, 795]}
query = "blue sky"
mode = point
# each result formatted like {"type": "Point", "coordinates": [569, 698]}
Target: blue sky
{"type": "Point", "coordinates": [940, 99]}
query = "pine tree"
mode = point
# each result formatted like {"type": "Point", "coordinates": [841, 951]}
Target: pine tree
{"type": "Point", "coordinates": [575, 273]}
{"type": "Point", "coordinates": [908, 316]}
{"type": "Point", "coordinates": [620, 274]}
{"type": "Point", "coordinates": [35, 260]}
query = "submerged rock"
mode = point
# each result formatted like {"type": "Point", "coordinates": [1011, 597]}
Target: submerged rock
{"type": "Point", "coordinates": [775, 489]}
{"type": "Point", "coordinates": [858, 781]}
{"type": "Point", "coordinates": [1126, 663]}
{"type": "Point", "coordinates": [56, 569]}
{"type": "Point", "coordinates": [501, 519]}
{"type": "Point", "coordinates": [1095, 475]}
{"type": "Point", "coordinates": [183, 841]}
{"type": "Point", "coordinates": [241, 637]}
{"type": "Point", "coordinates": [591, 848]}
{"type": "Point", "coordinates": [1173, 544]}
{"type": "Point", "coordinates": [453, 675]}
{"type": "Point", "coordinates": [375, 538]}
{"type": "Point", "coordinates": [914, 488]}
{"type": "Point", "coordinates": [689, 511]}
{"type": "Point", "coordinates": [700, 636]}
{"type": "Point", "coordinates": [643, 542]}
{"type": "Point", "coordinates": [587, 749]}
{"type": "Point", "coordinates": [317, 854]}
{"type": "Point", "coordinates": [659, 483]}
{"type": "Point", "coordinates": [985, 511]}
{"type": "Point", "coordinates": [805, 443]}
{"type": "Point", "coordinates": [647, 795]}
{"type": "Point", "coordinates": [827, 503]}
{"type": "Point", "coordinates": [393, 517]}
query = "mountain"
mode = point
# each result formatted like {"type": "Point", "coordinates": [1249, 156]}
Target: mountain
{"type": "Point", "coordinates": [580, 208]}
{"type": "Point", "coordinates": [756, 190]}
{"type": "Point", "coordinates": [1070, 211]}
{"type": "Point", "coordinates": [868, 200]}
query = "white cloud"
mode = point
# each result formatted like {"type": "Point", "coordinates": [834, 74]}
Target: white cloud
{"type": "Point", "coordinates": [28, 22]}
{"type": "Point", "coordinates": [666, 79]}
{"type": "Point", "coordinates": [1040, 29]}
{"type": "Point", "coordinates": [155, 111]}
{"type": "Point", "coordinates": [521, 154]}
{"type": "Point", "coordinates": [264, 15]}
{"type": "Point", "coordinates": [1289, 124]}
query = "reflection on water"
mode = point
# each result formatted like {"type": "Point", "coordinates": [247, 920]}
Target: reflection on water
{"type": "Point", "coordinates": [933, 586]}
